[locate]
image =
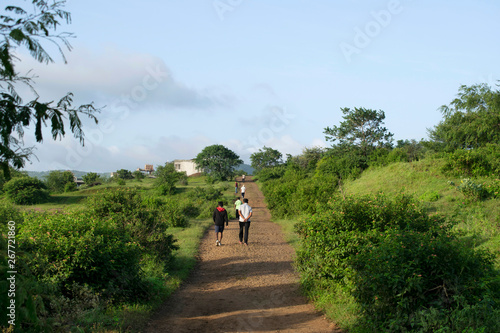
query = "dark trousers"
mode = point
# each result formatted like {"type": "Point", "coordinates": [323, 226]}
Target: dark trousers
{"type": "Point", "coordinates": [244, 225]}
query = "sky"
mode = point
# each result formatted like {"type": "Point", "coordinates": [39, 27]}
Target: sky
{"type": "Point", "coordinates": [172, 77]}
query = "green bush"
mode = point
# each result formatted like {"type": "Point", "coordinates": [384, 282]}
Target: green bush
{"type": "Point", "coordinates": [26, 191]}
{"type": "Point", "coordinates": [333, 235]}
{"type": "Point", "coordinates": [9, 213]}
{"type": "Point", "coordinates": [79, 247]}
{"type": "Point", "coordinates": [471, 190]}
{"type": "Point", "coordinates": [56, 180]}
{"type": "Point", "coordinates": [478, 162]}
{"type": "Point", "coordinates": [171, 211]}
{"type": "Point", "coordinates": [143, 222]}
{"type": "Point", "coordinates": [399, 265]}
{"type": "Point", "coordinates": [399, 275]}
{"type": "Point", "coordinates": [70, 187]}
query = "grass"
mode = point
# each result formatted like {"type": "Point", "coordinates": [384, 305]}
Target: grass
{"type": "Point", "coordinates": [478, 220]}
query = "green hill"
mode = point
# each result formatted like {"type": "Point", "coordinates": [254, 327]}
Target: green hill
{"type": "Point", "coordinates": [479, 220]}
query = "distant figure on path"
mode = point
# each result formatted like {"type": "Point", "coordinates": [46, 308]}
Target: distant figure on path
{"type": "Point", "coordinates": [219, 216]}
{"type": "Point", "coordinates": [245, 215]}
{"type": "Point", "coordinates": [243, 178]}
{"type": "Point", "coordinates": [237, 205]}
{"type": "Point", "coordinates": [235, 187]}
{"type": "Point", "coordinates": [243, 189]}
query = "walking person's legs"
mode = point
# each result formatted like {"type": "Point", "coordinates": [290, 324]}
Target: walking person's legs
{"type": "Point", "coordinates": [242, 225]}
{"type": "Point", "coordinates": [247, 226]}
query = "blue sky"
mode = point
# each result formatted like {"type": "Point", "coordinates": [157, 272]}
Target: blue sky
{"type": "Point", "coordinates": [176, 76]}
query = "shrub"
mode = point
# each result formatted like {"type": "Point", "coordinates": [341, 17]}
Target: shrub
{"type": "Point", "coordinates": [91, 177]}
{"type": "Point", "coordinates": [143, 222]}
{"type": "Point", "coordinates": [400, 274]}
{"type": "Point", "coordinates": [56, 180]}
{"type": "Point", "coordinates": [470, 189]}
{"type": "Point", "coordinates": [483, 161]}
{"type": "Point", "coordinates": [70, 187]}
{"type": "Point", "coordinates": [405, 270]}
{"type": "Point", "coordinates": [26, 191]}
{"type": "Point", "coordinates": [333, 235]}
{"type": "Point", "coordinates": [9, 213]}
{"type": "Point", "coordinates": [82, 248]}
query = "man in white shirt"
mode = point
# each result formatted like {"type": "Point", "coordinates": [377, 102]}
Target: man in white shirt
{"type": "Point", "coordinates": [245, 212]}
{"type": "Point", "coordinates": [243, 190]}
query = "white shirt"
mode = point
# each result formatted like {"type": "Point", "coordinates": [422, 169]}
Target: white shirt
{"type": "Point", "coordinates": [243, 188]}
{"type": "Point", "coordinates": [245, 211]}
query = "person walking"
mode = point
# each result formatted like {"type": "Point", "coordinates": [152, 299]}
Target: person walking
{"type": "Point", "coordinates": [235, 187]}
{"type": "Point", "coordinates": [219, 216]}
{"type": "Point", "coordinates": [243, 178]}
{"type": "Point", "coordinates": [237, 205]}
{"type": "Point", "coordinates": [243, 190]}
{"type": "Point", "coordinates": [245, 215]}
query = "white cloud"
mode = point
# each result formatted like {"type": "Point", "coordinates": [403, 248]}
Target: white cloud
{"type": "Point", "coordinates": [141, 80]}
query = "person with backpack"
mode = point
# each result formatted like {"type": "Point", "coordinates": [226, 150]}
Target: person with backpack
{"type": "Point", "coordinates": [219, 216]}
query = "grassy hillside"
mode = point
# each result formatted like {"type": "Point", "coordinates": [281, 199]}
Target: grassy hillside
{"type": "Point", "coordinates": [478, 220]}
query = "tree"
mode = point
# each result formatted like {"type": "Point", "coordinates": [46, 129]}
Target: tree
{"type": "Point", "coordinates": [266, 158]}
{"type": "Point", "coordinates": [91, 177]}
{"type": "Point", "coordinates": [29, 29]}
{"type": "Point", "coordinates": [57, 180]}
{"type": "Point", "coordinates": [218, 162]}
{"type": "Point", "coordinates": [309, 158]}
{"type": "Point", "coordinates": [362, 128]}
{"type": "Point", "coordinates": [472, 120]}
{"type": "Point", "coordinates": [166, 177]}
{"type": "Point", "coordinates": [124, 174]}
{"type": "Point", "coordinates": [138, 175]}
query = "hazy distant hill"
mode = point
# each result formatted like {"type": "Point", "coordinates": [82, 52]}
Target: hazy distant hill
{"type": "Point", "coordinates": [245, 167]}
{"type": "Point", "coordinates": [79, 174]}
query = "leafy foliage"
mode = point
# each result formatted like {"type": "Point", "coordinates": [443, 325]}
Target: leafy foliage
{"type": "Point", "coordinates": [91, 177]}
{"type": "Point", "coordinates": [143, 223]}
{"type": "Point", "coordinates": [362, 128]}
{"type": "Point", "coordinates": [403, 277]}
{"type": "Point", "coordinates": [83, 248]}
{"type": "Point", "coordinates": [26, 191]}
{"type": "Point", "coordinates": [484, 161]}
{"type": "Point", "coordinates": [124, 174]}
{"type": "Point", "coordinates": [265, 158]}
{"type": "Point", "coordinates": [218, 162]}
{"type": "Point", "coordinates": [57, 180]}
{"type": "Point", "coordinates": [166, 178]}
{"type": "Point", "coordinates": [400, 265]}
{"type": "Point", "coordinates": [472, 120]}
{"type": "Point", "coordinates": [19, 27]}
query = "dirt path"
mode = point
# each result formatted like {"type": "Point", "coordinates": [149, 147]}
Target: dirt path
{"type": "Point", "coordinates": [237, 288]}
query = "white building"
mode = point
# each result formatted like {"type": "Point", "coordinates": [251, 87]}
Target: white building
{"type": "Point", "coordinates": [188, 166]}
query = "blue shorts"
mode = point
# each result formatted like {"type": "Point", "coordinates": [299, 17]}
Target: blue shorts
{"type": "Point", "coordinates": [219, 228]}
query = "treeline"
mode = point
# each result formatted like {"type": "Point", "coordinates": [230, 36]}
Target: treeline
{"type": "Point", "coordinates": [385, 261]}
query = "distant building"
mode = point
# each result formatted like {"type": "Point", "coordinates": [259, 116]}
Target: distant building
{"type": "Point", "coordinates": [188, 166]}
{"type": "Point", "coordinates": [78, 181]}
{"type": "Point", "coordinates": [149, 169]}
